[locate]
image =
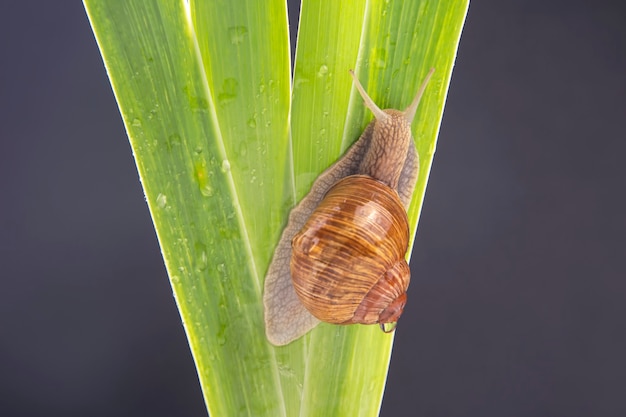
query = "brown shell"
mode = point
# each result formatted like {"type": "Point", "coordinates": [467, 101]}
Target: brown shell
{"type": "Point", "coordinates": [347, 262]}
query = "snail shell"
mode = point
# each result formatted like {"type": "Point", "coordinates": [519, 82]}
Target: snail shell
{"type": "Point", "coordinates": [341, 268]}
{"type": "Point", "coordinates": [362, 237]}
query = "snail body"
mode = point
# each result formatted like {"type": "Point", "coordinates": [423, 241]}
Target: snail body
{"type": "Point", "coordinates": [341, 258]}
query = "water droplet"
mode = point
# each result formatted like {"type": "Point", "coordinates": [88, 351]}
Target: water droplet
{"type": "Point", "coordinates": [206, 190]}
{"type": "Point", "coordinates": [201, 256]}
{"type": "Point", "coordinates": [371, 386]}
{"type": "Point", "coordinates": [136, 122]}
{"type": "Point", "coordinates": [299, 81]}
{"type": "Point", "coordinates": [229, 91]}
{"type": "Point", "coordinates": [322, 132]}
{"type": "Point", "coordinates": [196, 102]}
{"type": "Point", "coordinates": [175, 279]}
{"type": "Point", "coordinates": [252, 122]}
{"type": "Point", "coordinates": [237, 34]}
{"type": "Point", "coordinates": [172, 141]}
{"type": "Point", "coordinates": [322, 71]}
{"type": "Point", "coordinates": [225, 165]}
{"type": "Point", "coordinates": [388, 327]}
{"type": "Point", "coordinates": [380, 57]}
{"type": "Point", "coordinates": [221, 269]}
{"type": "Point", "coordinates": [161, 200]}
{"type": "Point", "coordinates": [203, 178]}
{"type": "Point", "coordinates": [221, 338]}
{"type": "Point", "coordinates": [243, 149]}
{"type": "Point", "coordinates": [262, 88]}
{"type": "Point", "coordinates": [286, 370]}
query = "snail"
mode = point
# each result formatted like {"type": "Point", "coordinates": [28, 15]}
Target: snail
{"type": "Point", "coordinates": [341, 257]}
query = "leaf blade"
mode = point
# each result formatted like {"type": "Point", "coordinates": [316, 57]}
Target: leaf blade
{"type": "Point", "coordinates": [391, 65]}
{"type": "Point", "coordinates": [150, 52]}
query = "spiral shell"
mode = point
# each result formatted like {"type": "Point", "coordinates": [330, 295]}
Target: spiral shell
{"type": "Point", "coordinates": [347, 262]}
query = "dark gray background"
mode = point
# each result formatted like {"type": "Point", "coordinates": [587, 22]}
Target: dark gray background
{"type": "Point", "coordinates": [518, 302]}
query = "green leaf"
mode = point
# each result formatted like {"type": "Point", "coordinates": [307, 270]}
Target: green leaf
{"type": "Point", "coordinates": [204, 90]}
